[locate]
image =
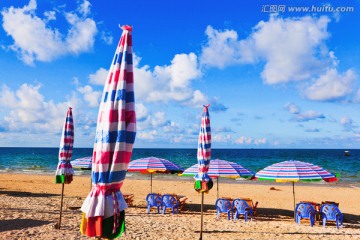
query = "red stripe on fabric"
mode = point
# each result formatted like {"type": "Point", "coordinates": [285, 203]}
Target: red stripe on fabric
{"type": "Point", "coordinates": [116, 157]}
{"type": "Point", "coordinates": [68, 140]}
{"type": "Point", "coordinates": [110, 77]}
{"type": "Point", "coordinates": [117, 73]}
{"type": "Point", "coordinates": [129, 77]}
{"type": "Point", "coordinates": [129, 39]}
{"type": "Point", "coordinates": [122, 41]}
{"type": "Point", "coordinates": [130, 117]}
{"type": "Point", "coordinates": [122, 74]}
{"type": "Point", "coordinates": [113, 115]}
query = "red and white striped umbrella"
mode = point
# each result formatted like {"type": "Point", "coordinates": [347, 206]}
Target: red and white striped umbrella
{"type": "Point", "coordinates": [153, 165]}
{"type": "Point", "coordinates": [103, 209]}
{"type": "Point", "coordinates": [64, 172]}
{"type": "Point", "coordinates": [203, 182]}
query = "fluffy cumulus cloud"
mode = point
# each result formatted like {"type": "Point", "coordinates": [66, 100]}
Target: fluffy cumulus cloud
{"type": "Point", "coordinates": [290, 49]}
{"type": "Point", "coordinates": [29, 112]}
{"type": "Point", "coordinates": [331, 85]}
{"type": "Point", "coordinates": [99, 77]}
{"type": "Point", "coordinates": [302, 116]}
{"type": "Point", "coordinates": [37, 41]}
{"type": "Point", "coordinates": [91, 96]}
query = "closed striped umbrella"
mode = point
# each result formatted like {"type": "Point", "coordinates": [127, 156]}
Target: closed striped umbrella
{"type": "Point", "coordinates": [295, 171]}
{"type": "Point", "coordinates": [64, 172]}
{"type": "Point", "coordinates": [221, 168]}
{"type": "Point", "coordinates": [103, 208]}
{"type": "Point", "coordinates": [153, 165]}
{"type": "Point", "coordinates": [203, 182]}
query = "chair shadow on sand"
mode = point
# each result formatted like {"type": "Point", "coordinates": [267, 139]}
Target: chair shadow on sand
{"type": "Point", "coordinates": [263, 214]}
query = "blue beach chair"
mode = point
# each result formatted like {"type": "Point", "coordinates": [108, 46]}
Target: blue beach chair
{"type": "Point", "coordinates": [241, 207]}
{"type": "Point", "coordinates": [153, 200]}
{"type": "Point", "coordinates": [305, 211]}
{"type": "Point", "coordinates": [223, 206]}
{"type": "Point", "coordinates": [330, 212]}
{"type": "Point", "coordinates": [170, 201]}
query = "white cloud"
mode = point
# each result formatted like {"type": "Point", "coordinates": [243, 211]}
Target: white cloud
{"type": "Point", "coordinates": [347, 123]}
{"type": "Point", "coordinates": [141, 112]}
{"type": "Point", "coordinates": [84, 8]}
{"type": "Point", "coordinates": [90, 96]}
{"type": "Point", "coordinates": [244, 140]}
{"type": "Point", "coordinates": [302, 116]}
{"type": "Point", "coordinates": [35, 41]}
{"type": "Point", "coordinates": [331, 85]}
{"type": "Point", "coordinates": [99, 77]}
{"type": "Point", "coordinates": [292, 108]}
{"type": "Point", "coordinates": [29, 112]}
{"type": "Point", "coordinates": [169, 83]}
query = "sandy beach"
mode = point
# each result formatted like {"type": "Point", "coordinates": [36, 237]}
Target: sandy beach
{"type": "Point", "coordinates": [30, 208]}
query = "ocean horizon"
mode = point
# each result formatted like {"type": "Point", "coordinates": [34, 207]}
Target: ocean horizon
{"type": "Point", "coordinates": [38, 160]}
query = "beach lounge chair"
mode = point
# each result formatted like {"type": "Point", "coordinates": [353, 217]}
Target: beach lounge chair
{"type": "Point", "coordinates": [241, 207]}
{"type": "Point", "coordinates": [223, 206]}
{"type": "Point", "coordinates": [330, 212]}
{"type": "Point", "coordinates": [153, 200]}
{"type": "Point", "coordinates": [305, 211]}
{"type": "Point", "coordinates": [170, 201]}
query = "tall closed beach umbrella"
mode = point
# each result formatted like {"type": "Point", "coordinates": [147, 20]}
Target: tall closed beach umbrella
{"type": "Point", "coordinates": [153, 165]}
{"type": "Point", "coordinates": [221, 168]}
{"type": "Point", "coordinates": [64, 172]}
{"type": "Point", "coordinates": [103, 209]}
{"type": "Point", "coordinates": [203, 182]}
{"type": "Point", "coordinates": [295, 171]}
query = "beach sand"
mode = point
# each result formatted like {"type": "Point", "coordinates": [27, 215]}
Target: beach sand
{"type": "Point", "coordinates": [29, 209]}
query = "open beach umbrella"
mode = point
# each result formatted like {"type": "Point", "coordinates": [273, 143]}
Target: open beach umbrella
{"type": "Point", "coordinates": [295, 171]}
{"type": "Point", "coordinates": [203, 182]}
{"type": "Point", "coordinates": [153, 165]}
{"type": "Point", "coordinates": [221, 168]}
{"type": "Point", "coordinates": [84, 163]}
{"type": "Point", "coordinates": [64, 172]}
{"type": "Point", "coordinates": [103, 208]}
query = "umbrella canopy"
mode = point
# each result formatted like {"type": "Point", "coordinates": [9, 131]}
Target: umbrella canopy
{"type": "Point", "coordinates": [221, 168]}
{"type": "Point", "coordinates": [103, 209]}
{"type": "Point", "coordinates": [153, 165]}
{"type": "Point", "coordinates": [84, 163]}
{"type": "Point", "coordinates": [295, 171]}
{"type": "Point", "coordinates": [64, 172]}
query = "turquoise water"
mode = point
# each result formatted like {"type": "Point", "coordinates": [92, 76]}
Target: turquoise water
{"type": "Point", "coordinates": [45, 160]}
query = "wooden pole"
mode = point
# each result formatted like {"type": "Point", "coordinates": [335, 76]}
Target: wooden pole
{"type": "Point", "coordinates": [217, 187]}
{"type": "Point", "coordinates": [61, 205]}
{"type": "Point", "coordinates": [202, 220]}
{"type": "Point", "coordinates": [150, 182]}
{"type": "Point", "coordinates": [294, 197]}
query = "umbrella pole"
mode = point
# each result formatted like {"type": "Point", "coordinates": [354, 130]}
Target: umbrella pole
{"type": "Point", "coordinates": [294, 197]}
{"type": "Point", "coordinates": [150, 182]}
{"type": "Point", "coordinates": [217, 187]}
{"type": "Point", "coordinates": [61, 205]}
{"type": "Point", "coordinates": [202, 220]}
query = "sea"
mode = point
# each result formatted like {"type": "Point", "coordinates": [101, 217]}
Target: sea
{"type": "Point", "coordinates": [45, 160]}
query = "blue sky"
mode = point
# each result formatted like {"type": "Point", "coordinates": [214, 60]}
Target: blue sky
{"type": "Point", "coordinates": [275, 77]}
